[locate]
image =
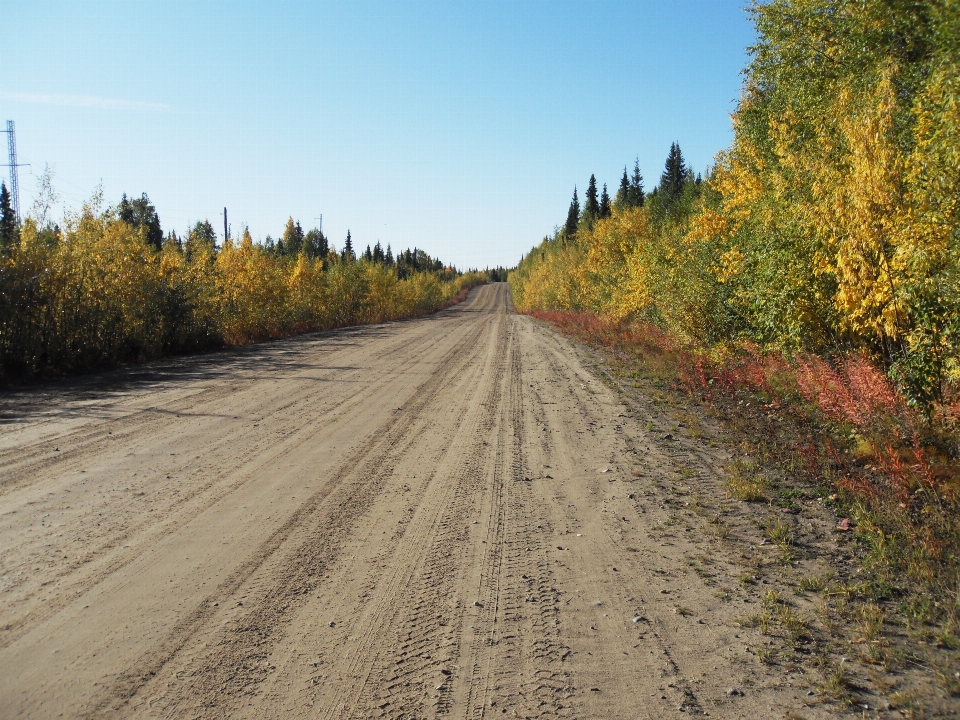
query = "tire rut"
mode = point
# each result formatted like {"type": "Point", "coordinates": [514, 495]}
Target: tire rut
{"type": "Point", "coordinates": [24, 464]}
{"type": "Point", "coordinates": [400, 681]}
{"type": "Point", "coordinates": [207, 487]}
{"type": "Point", "coordinates": [518, 655]}
{"type": "Point", "coordinates": [235, 665]}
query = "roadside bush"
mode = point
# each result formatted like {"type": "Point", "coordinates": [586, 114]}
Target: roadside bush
{"type": "Point", "coordinates": [95, 293]}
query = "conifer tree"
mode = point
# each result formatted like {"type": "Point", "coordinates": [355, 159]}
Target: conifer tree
{"type": "Point", "coordinates": [674, 174]}
{"type": "Point", "coordinates": [388, 258]}
{"type": "Point", "coordinates": [378, 253]}
{"type": "Point", "coordinates": [623, 192]}
{"type": "Point", "coordinates": [347, 253]}
{"type": "Point", "coordinates": [8, 222]}
{"type": "Point", "coordinates": [592, 207]}
{"type": "Point", "coordinates": [140, 213]}
{"type": "Point", "coordinates": [368, 254]}
{"type": "Point", "coordinates": [605, 209]}
{"type": "Point", "coordinates": [573, 215]}
{"type": "Point", "coordinates": [635, 195]}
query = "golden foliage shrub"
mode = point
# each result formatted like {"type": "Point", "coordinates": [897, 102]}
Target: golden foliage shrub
{"type": "Point", "coordinates": [94, 294]}
{"type": "Point", "coordinates": [831, 224]}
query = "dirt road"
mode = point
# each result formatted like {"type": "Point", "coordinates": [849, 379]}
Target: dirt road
{"type": "Point", "coordinates": [440, 517]}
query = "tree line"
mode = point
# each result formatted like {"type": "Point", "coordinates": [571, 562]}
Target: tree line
{"type": "Point", "coordinates": [107, 286]}
{"type": "Point", "coordinates": [832, 223]}
{"type": "Point", "coordinates": [675, 178]}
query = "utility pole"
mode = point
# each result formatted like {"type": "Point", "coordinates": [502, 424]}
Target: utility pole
{"type": "Point", "coordinates": [321, 223]}
{"type": "Point", "coordinates": [13, 165]}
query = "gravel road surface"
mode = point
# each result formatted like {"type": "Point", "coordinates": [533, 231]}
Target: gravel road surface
{"type": "Point", "coordinates": [435, 517]}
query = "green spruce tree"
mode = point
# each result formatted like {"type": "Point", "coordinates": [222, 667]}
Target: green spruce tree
{"type": "Point", "coordinates": [592, 208]}
{"type": "Point", "coordinates": [674, 174]}
{"type": "Point", "coordinates": [605, 209]}
{"type": "Point", "coordinates": [635, 194]}
{"type": "Point", "coordinates": [573, 215]}
{"type": "Point", "coordinates": [623, 192]}
{"type": "Point", "coordinates": [9, 232]}
{"type": "Point", "coordinates": [140, 213]}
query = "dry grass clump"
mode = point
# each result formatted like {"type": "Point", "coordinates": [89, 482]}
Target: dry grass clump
{"type": "Point", "coordinates": [746, 489]}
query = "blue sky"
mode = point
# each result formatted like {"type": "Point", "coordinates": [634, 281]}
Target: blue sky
{"type": "Point", "coordinates": [457, 127]}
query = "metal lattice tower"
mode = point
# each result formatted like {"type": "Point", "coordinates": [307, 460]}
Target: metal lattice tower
{"type": "Point", "coordinates": [14, 182]}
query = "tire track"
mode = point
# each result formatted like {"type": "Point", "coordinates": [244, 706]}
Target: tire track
{"type": "Point", "coordinates": [244, 459]}
{"type": "Point", "coordinates": [400, 683]}
{"type": "Point", "coordinates": [609, 552]}
{"type": "Point", "coordinates": [234, 665]}
{"type": "Point", "coordinates": [519, 655]}
{"type": "Point", "coordinates": [20, 465]}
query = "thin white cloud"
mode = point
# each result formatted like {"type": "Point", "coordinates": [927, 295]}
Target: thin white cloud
{"type": "Point", "coordinates": [84, 101]}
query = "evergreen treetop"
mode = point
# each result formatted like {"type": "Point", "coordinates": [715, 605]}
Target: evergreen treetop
{"type": "Point", "coordinates": [623, 192]}
{"type": "Point", "coordinates": [674, 174]}
{"type": "Point", "coordinates": [592, 207]}
{"type": "Point", "coordinates": [605, 209]}
{"type": "Point", "coordinates": [573, 215]}
{"type": "Point", "coordinates": [635, 196]}
{"type": "Point", "coordinates": [140, 213]}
